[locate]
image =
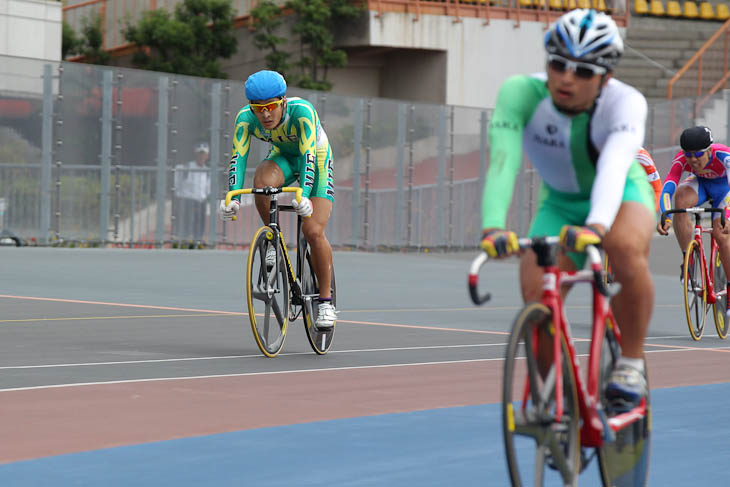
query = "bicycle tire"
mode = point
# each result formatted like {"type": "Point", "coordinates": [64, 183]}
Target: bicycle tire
{"type": "Point", "coordinates": [267, 293]}
{"type": "Point", "coordinates": [625, 461]}
{"type": "Point", "coordinates": [695, 291]}
{"type": "Point", "coordinates": [559, 441]}
{"type": "Point", "coordinates": [319, 340]}
{"type": "Point", "coordinates": [719, 307]}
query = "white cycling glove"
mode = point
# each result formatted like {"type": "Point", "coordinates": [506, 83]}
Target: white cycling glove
{"type": "Point", "coordinates": [304, 208]}
{"type": "Point", "coordinates": [228, 213]}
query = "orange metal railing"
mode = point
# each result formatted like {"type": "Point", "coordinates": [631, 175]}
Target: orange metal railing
{"type": "Point", "coordinates": [114, 14]}
{"type": "Point", "coordinates": [517, 10]}
{"type": "Point", "coordinates": [708, 67]}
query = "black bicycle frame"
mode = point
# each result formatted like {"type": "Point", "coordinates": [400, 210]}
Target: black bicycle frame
{"type": "Point", "coordinates": [274, 209]}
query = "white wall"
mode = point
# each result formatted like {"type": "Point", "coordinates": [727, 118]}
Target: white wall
{"type": "Point", "coordinates": [30, 28]}
{"type": "Point", "coordinates": [479, 57]}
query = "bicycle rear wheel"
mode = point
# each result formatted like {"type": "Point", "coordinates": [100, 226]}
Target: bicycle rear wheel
{"type": "Point", "coordinates": [695, 291]}
{"type": "Point", "coordinates": [319, 340]}
{"type": "Point", "coordinates": [624, 462]}
{"type": "Point", "coordinates": [540, 448]}
{"type": "Point", "coordinates": [267, 292]}
{"type": "Point", "coordinates": [719, 307]}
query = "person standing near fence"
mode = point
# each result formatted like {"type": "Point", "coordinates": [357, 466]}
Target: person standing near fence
{"type": "Point", "coordinates": [192, 188]}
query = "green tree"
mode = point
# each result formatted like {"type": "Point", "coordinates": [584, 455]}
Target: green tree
{"type": "Point", "coordinates": [69, 40]}
{"type": "Point", "coordinates": [315, 24]}
{"type": "Point", "coordinates": [267, 18]}
{"type": "Point", "coordinates": [89, 44]}
{"type": "Point", "coordinates": [192, 41]}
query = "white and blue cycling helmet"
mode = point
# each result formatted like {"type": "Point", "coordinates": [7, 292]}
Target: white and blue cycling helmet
{"type": "Point", "coordinates": [587, 35]}
{"type": "Point", "coordinates": [264, 85]}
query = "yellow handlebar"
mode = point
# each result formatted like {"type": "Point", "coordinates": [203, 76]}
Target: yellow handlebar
{"type": "Point", "coordinates": [286, 189]}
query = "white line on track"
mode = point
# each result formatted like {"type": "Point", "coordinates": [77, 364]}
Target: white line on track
{"type": "Point", "coordinates": [281, 372]}
{"type": "Point", "coordinates": [228, 357]}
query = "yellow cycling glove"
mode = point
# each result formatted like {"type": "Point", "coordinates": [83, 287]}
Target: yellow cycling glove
{"type": "Point", "coordinates": [576, 238]}
{"type": "Point", "coordinates": [499, 243]}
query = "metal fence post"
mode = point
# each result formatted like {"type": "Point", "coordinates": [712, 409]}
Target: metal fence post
{"type": "Point", "coordinates": [162, 127]}
{"type": "Point", "coordinates": [450, 207]}
{"type": "Point", "coordinates": [47, 154]}
{"type": "Point", "coordinates": [357, 142]}
{"type": "Point", "coordinates": [366, 204]}
{"type": "Point", "coordinates": [401, 151]}
{"type": "Point", "coordinates": [215, 152]}
{"type": "Point", "coordinates": [106, 154]}
{"type": "Point", "coordinates": [441, 178]}
{"type": "Point", "coordinates": [409, 211]}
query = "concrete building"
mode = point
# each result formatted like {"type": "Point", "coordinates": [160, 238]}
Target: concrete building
{"type": "Point", "coordinates": [30, 28]}
{"type": "Point", "coordinates": [437, 52]}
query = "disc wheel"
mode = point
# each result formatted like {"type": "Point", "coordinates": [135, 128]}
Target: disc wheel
{"type": "Point", "coordinates": [695, 291]}
{"type": "Point", "coordinates": [320, 340]}
{"type": "Point", "coordinates": [719, 307]}
{"type": "Point", "coordinates": [540, 448]}
{"type": "Point", "coordinates": [267, 292]}
{"type": "Point", "coordinates": [624, 462]}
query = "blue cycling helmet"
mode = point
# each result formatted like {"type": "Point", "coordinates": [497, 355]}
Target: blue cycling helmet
{"type": "Point", "coordinates": [263, 85]}
{"type": "Point", "coordinates": [587, 35]}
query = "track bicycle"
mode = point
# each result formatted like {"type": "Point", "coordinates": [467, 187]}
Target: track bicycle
{"type": "Point", "coordinates": [703, 287]}
{"type": "Point", "coordinates": [555, 420]}
{"type": "Point", "coordinates": [276, 295]}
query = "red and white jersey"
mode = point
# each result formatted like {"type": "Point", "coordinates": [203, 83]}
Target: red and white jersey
{"type": "Point", "coordinates": [651, 173]}
{"type": "Point", "coordinates": [716, 168]}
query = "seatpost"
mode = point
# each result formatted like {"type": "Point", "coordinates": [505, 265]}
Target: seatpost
{"type": "Point", "coordinates": [273, 212]}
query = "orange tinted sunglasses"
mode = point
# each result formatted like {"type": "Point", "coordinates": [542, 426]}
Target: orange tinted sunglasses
{"type": "Point", "coordinates": [266, 107]}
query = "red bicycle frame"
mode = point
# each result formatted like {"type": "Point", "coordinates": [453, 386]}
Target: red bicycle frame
{"type": "Point", "coordinates": [597, 426]}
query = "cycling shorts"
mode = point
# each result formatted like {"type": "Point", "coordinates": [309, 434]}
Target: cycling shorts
{"type": "Point", "coordinates": [716, 190]}
{"type": "Point", "coordinates": [557, 209]}
{"type": "Point", "coordinates": [293, 166]}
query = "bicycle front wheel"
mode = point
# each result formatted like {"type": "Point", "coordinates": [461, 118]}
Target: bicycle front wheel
{"type": "Point", "coordinates": [540, 447]}
{"type": "Point", "coordinates": [267, 291]}
{"type": "Point", "coordinates": [719, 307]}
{"type": "Point", "coordinates": [624, 462]}
{"type": "Point", "coordinates": [695, 290]}
{"type": "Point", "coordinates": [319, 340]}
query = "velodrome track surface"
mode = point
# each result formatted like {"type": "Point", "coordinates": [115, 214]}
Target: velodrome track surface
{"type": "Point", "coordinates": [122, 367]}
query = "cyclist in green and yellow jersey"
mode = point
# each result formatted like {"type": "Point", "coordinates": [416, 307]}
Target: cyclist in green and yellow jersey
{"type": "Point", "coordinates": [299, 152]}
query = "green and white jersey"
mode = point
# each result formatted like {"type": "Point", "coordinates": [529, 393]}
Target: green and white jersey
{"type": "Point", "coordinates": [583, 156]}
{"type": "Point", "coordinates": [299, 136]}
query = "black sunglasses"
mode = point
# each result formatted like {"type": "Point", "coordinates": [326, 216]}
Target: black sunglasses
{"type": "Point", "coordinates": [581, 70]}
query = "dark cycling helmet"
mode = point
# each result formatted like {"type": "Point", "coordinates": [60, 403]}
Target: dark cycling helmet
{"type": "Point", "coordinates": [264, 85]}
{"type": "Point", "coordinates": [696, 139]}
{"type": "Point", "coordinates": [586, 35]}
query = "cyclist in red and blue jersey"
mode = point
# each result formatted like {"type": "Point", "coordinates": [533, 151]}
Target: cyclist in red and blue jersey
{"type": "Point", "coordinates": [709, 179]}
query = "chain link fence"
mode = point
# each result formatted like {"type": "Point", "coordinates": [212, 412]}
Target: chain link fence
{"type": "Point", "coordinates": [95, 155]}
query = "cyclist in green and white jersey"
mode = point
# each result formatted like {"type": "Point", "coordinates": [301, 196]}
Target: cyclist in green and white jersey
{"type": "Point", "coordinates": [299, 152]}
{"type": "Point", "coordinates": [581, 129]}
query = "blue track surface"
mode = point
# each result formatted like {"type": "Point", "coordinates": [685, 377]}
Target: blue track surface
{"type": "Point", "coordinates": [456, 446]}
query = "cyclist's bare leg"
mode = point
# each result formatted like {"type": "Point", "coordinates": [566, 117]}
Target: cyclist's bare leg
{"type": "Point", "coordinates": [531, 284]}
{"type": "Point", "coordinates": [723, 241]}
{"type": "Point", "coordinates": [268, 173]}
{"type": "Point", "coordinates": [313, 229]}
{"type": "Point", "coordinates": [627, 245]}
{"type": "Point", "coordinates": [685, 197]}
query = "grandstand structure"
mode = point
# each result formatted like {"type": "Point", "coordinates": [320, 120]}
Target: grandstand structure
{"type": "Point", "coordinates": [426, 50]}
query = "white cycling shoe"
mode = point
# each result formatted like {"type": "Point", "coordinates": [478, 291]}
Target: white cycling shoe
{"type": "Point", "coordinates": [326, 316]}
